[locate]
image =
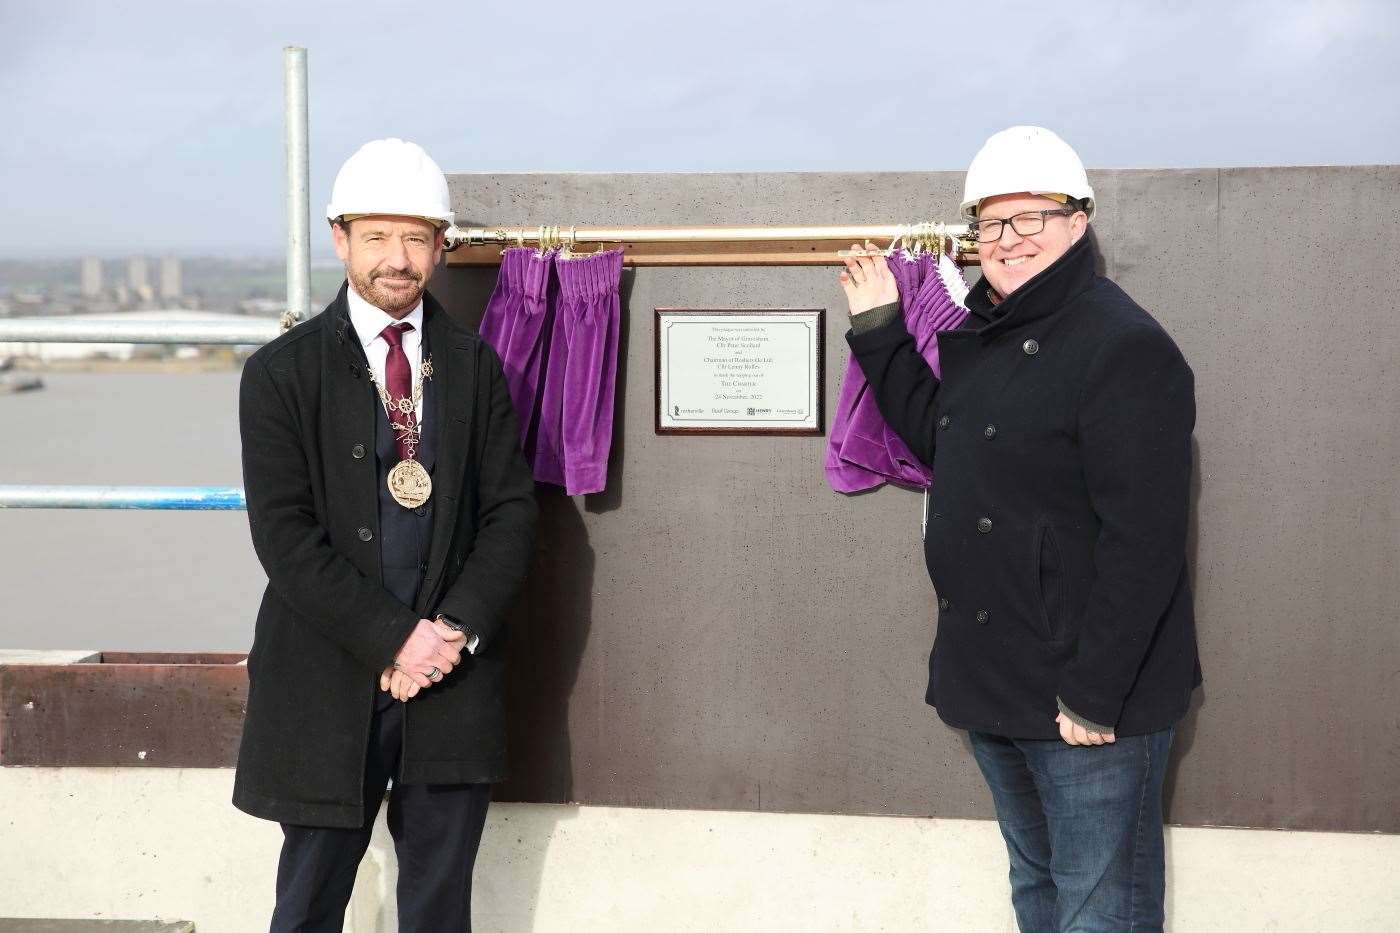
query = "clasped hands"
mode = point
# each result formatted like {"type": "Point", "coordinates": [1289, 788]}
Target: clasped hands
{"type": "Point", "coordinates": [431, 647]}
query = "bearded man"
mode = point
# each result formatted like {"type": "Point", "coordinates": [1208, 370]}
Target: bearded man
{"type": "Point", "coordinates": [394, 515]}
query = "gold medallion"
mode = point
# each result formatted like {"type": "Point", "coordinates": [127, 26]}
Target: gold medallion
{"type": "Point", "coordinates": [410, 484]}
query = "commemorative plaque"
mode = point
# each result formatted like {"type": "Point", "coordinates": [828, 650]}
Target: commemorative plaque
{"type": "Point", "coordinates": [739, 372]}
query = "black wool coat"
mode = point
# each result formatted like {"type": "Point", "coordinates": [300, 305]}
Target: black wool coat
{"type": "Point", "coordinates": [327, 627]}
{"type": "Point", "coordinates": [1060, 441]}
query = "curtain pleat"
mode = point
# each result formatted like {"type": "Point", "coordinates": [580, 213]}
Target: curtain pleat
{"type": "Point", "coordinates": [560, 339]}
{"type": "Point", "coordinates": [515, 324]}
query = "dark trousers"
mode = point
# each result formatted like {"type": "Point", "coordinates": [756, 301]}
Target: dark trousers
{"type": "Point", "coordinates": [1083, 829]}
{"type": "Point", "coordinates": [436, 830]}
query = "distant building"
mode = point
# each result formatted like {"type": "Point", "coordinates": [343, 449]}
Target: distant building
{"type": "Point", "coordinates": [137, 275]}
{"type": "Point", "coordinates": [92, 277]}
{"type": "Point", "coordinates": [169, 278]}
{"type": "Point", "coordinates": [262, 307]}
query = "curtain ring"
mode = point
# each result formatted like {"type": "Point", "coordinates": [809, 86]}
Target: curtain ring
{"type": "Point", "coordinates": [898, 238]}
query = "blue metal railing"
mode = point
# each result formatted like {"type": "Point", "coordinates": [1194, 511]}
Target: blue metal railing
{"type": "Point", "coordinates": [175, 498]}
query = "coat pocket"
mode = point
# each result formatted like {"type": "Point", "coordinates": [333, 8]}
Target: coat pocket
{"type": "Point", "coordinates": [1052, 573]}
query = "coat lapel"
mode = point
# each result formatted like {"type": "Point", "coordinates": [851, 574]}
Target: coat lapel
{"type": "Point", "coordinates": [453, 401]}
{"type": "Point", "coordinates": [349, 402]}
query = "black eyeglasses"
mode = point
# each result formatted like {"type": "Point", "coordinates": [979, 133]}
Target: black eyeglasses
{"type": "Point", "coordinates": [1027, 224]}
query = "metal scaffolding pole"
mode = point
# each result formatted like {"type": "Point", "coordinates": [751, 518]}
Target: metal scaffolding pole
{"type": "Point", "coordinates": [298, 185]}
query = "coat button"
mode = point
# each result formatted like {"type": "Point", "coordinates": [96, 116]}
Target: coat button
{"type": "Point", "coordinates": [1032, 347]}
{"type": "Point", "coordinates": [366, 534]}
{"type": "Point", "coordinates": [944, 422]}
{"type": "Point", "coordinates": [358, 451]}
{"type": "Point", "coordinates": [421, 511]}
{"type": "Point", "coordinates": [984, 525]}
{"type": "Point", "coordinates": [943, 604]}
{"type": "Point", "coordinates": [982, 617]}
{"type": "Point", "coordinates": [990, 431]}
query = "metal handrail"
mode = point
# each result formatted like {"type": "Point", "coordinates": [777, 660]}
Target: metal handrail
{"type": "Point", "coordinates": [78, 330]}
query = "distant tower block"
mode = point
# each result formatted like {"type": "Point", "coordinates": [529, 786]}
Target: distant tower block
{"type": "Point", "coordinates": [92, 277]}
{"type": "Point", "coordinates": [170, 277]}
{"type": "Point", "coordinates": [136, 274]}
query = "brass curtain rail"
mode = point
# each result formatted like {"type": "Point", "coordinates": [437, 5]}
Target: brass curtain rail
{"type": "Point", "coordinates": [709, 246]}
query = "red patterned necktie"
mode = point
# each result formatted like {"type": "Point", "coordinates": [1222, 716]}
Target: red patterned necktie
{"type": "Point", "coordinates": [399, 381]}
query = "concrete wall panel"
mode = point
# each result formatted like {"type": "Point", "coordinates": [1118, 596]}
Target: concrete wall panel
{"type": "Point", "coordinates": [719, 629]}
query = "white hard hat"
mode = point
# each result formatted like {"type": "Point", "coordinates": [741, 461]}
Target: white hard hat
{"type": "Point", "coordinates": [391, 176]}
{"type": "Point", "coordinates": [1025, 158]}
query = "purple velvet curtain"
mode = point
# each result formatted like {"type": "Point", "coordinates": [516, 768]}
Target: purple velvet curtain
{"type": "Point", "coordinates": [576, 413]}
{"type": "Point", "coordinates": [862, 451]}
{"type": "Point", "coordinates": [554, 320]}
{"type": "Point", "coordinates": [515, 324]}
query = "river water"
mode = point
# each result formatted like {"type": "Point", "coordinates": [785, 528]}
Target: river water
{"type": "Point", "coordinates": [114, 580]}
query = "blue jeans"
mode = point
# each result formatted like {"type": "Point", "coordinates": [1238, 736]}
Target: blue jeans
{"type": "Point", "coordinates": [1083, 829]}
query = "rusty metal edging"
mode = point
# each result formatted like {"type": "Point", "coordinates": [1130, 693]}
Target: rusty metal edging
{"type": "Point", "coordinates": [123, 709]}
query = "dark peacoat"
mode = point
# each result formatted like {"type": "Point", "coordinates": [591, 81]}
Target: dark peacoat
{"type": "Point", "coordinates": [327, 627]}
{"type": "Point", "coordinates": [1060, 441]}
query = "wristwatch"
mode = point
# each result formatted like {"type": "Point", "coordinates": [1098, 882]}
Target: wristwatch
{"type": "Point", "coordinates": [453, 624]}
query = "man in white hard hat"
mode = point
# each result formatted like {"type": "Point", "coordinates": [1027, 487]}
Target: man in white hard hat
{"type": "Point", "coordinates": [394, 515]}
{"type": "Point", "coordinates": [1060, 441]}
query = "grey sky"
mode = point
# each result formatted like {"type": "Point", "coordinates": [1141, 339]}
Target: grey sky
{"type": "Point", "coordinates": [155, 126]}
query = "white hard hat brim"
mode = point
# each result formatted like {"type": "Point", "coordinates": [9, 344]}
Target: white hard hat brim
{"type": "Point", "coordinates": [347, 216]}
{"type": "Point", "coordinates": [969, 209]}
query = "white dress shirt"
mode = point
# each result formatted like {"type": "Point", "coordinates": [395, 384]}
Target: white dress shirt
{"type": "Point", "coordinates": [369, 323]}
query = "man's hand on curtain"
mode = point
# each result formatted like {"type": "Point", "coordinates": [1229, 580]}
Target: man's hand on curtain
{"type": "Point", "coordinates": [867, 281]}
